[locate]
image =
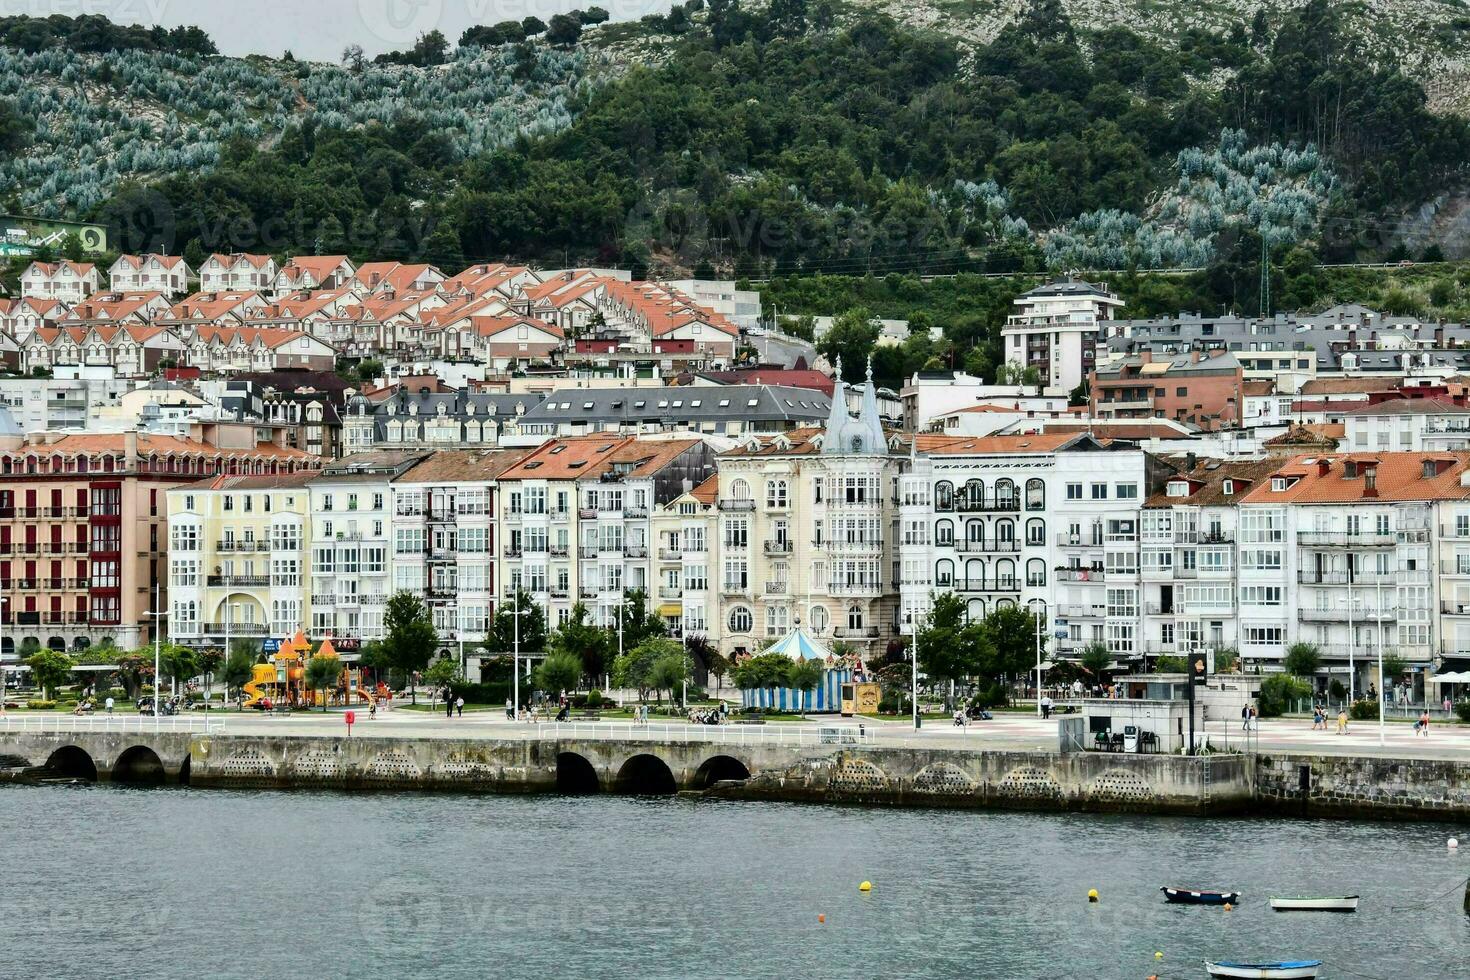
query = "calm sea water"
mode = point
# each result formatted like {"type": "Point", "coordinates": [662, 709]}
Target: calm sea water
{"type": "Point", "coordinates": [119, 883]}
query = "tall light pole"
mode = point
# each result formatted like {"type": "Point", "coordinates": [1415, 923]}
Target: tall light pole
{"type": "Point", "coordinates": [1378, 634]}
{"type": "Point", "coordinates": [914, 669]}
{"type": "Point", "coordinates": [515, 668]}
{"type": "Point", "coordinates": [1038, 615]}
{"type": "Point", "coordinates": [157, 615]}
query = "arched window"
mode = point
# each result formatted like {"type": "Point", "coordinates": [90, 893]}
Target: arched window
{"type": "Point", "coordinates": [1035, 494]}
{"type": "Point", "coordinates": [854, 617]}
{"type": "Point", "coordinates": [1004, 603]}
{"type": "Point", "coordinates": [944, 574]}
{"type": "Point", "coordinates": [974, 496]}
{"type": "Point", "coordinates": [975, 610]}
{"type": "Point", "coordinates": [776, 491]}
{"type": "Point", "coordinates": [975, 534]}
{"type": "Point", "coordinates": [1035, 532]}
{"type": "Point", "coordinates": [1005, 495]}
{"type": "Point", "coordinates": [1005, 574]}
{"type": "Point", "coordinates": [1036, 573]}
{"type": "Point", "coordinates": [1005, 532]}
{"type": "Point", "coordinates": [740, 620]}
{"type": "Point", "coordinates": [820, 619]}
{"type": "Point", "coordinates": [944, 533]}
{"type": "Point", "coordinates": [739, 490]}
{"type": "Point", "coordinates": [975, 574]}
{"type": "Point", "coordinates": [944, 495]}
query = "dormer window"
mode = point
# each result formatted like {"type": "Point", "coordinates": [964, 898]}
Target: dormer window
{"type": "Point", "coordinates": [1350, 470]}
{"type": "Point", "coordinates": [1178, 488]}
{"type": "Point", "coordinates": [1430, 468]}
{"type": "Point", "coordinates": [1228, 488]}
{"type": "Point", "coordinates": [1278, 484]}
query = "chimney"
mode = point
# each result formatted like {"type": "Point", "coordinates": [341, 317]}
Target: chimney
{"type": "Point", "coordinates": [1353, 339]}
{"type": "Point", "coordinates": [130, 450]}
{"type": "Point", "coordinates": [1194, 356]}
{"type": "Point", "coordinates": [1190, 461]}
{"type": "Point", "coordinates": [1324, 466]}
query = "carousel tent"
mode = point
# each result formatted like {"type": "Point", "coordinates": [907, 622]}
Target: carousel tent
{"type": "Point", "coordinates": [827, 696]}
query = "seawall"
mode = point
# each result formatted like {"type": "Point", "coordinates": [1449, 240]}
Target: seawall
{"type": "Point", "coordinates": [1282, 783]}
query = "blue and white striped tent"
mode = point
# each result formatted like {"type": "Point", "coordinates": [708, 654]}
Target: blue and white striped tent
{"type": "Point", "coordinates": [826, 697]}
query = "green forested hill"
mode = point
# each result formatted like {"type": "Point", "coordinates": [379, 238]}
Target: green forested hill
{"type": "Point", "coordinates": [794, 137]}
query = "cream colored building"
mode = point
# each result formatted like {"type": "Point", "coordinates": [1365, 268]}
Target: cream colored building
{"type": "Point", "coordinates": [805, 534]}
{"type": "Point", "coordinates": [238, 553]}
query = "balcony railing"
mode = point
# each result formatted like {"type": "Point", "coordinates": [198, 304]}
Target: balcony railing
{"type": "Point", "coordinates": [1310, 615]}
{"type": "Point", "coordinates": [1078, 574]}
{"type": "Point", "coordinates": [242, 546]}
{"type": "Point", "coordinates": [979, 584]}
{"type": "Point", "coordinates": [243, 581]}
{"type": "Point", "coordinates": [634, 551]}
{"type": "Point", "coordinates": [1452, 607]}
{"type": "Point", "coordinates": [236, 629]}
{"type": "Point", "coordinates": [1067, 540]}
{"type": "Point", "coordinates": [981, 505]}
{"type": "Point", "coordinates": [989, 547]}
{"type": "Point", "coordinates": [670, 592]}
{"type": "Point", "coordinates": [778, 547]}
{"type": "Point", "coordinates": [1342, 539]}
{"type": "Point", "coordinates": [670, 554]}
{"type": "Point", "coordinates": [775, 588]}
{"type": "Point", "coordinates": [1313, 576]}
{"type": "Point", "coordinates": [855, 588]}
{"type": "Point", "coordinates": [1082, 611]}
{"type": "Point", "coordinates": [855, 632]}
{"type": "Point", "coordinates": [737, 505]}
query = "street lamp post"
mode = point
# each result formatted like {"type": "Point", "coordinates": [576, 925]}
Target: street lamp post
{"type": "Point", "coordinates": [914, 668]}
{"type": "Point", "coordinates": [157, 614]}
{"type": "Point", "coordinates": [515, 665]}
{"type": "Point", "coordinates": [1038, 614]}
{"type": "Point", "coordinates": [1378, 635]}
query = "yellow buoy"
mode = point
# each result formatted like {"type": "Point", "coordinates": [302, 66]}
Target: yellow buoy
{"type": "Point", "coordinates": [866, 886]}
{"type": "Point", "coordinates": [1228, 906]}
{"type": "Point", "coordinates": [1158, 955]}
{"type": "Point", "coordinates": [1092, 895]}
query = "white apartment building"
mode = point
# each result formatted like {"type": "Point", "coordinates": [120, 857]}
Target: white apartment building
{"type": "Point", "coordinates": [1055, 329]}
{"type": "Point", "coordinates": [576, 518]}
{"type": "Point", "coordinates": [1337, 550]}
{"type": "Point", "coordinates": [444, 540]}
{"type": "Point", "coordinates": [1407, 425]}
{"type": "Point", "coordinates": [805, 533]}
{"type": "Point", "coordinates": [1049, 521]}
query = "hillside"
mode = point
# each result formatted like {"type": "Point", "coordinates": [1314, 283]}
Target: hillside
{"type": "Point", "coordinates": [1429, 40]}
{"type": "Point", "coordinates": [794, 137]}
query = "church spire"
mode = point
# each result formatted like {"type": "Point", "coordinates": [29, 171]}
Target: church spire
{"type": "Point", "coordinates": [869, 421]}
{"type": "Point", "coordinates": [837, 417]}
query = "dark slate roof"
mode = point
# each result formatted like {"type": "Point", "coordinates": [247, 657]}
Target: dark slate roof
{"type": "Point", "coordinates": [716, 403]}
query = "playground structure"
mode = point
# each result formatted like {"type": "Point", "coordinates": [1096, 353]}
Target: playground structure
{"type": "Point", "coordinates": [282, 681]}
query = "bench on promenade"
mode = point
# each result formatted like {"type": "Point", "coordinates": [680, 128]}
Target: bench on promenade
{"type": "Point", "coordinates": [281, 709]}
{"type": "Point", "coordinates": [750, 716]}
{"type": "Point", "coordinates": [587, 716]}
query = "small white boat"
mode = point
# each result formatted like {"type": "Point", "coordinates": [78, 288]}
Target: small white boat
{"type": "Point", "coordinates": [1348, 903]}
{"type": "Point", "coordinates": [1284, 970]}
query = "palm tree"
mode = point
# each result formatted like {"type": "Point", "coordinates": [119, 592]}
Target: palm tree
{"type": "Point", "coordinates": [805, 676]}
{"type": "Point", "coordinates": [1096, 658]}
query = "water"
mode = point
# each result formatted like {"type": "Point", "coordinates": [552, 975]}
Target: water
{"type": "Point", "coordinates": [119, 883]}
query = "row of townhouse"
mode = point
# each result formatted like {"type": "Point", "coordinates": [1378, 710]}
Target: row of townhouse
{"type": "Point", "coordinates": [849, 533]}
{"type": "Point", "coordinates": [84, 529]}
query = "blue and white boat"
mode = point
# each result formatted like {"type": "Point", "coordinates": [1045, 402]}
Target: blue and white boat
{"type": "Point", "coordinates": [1283, 970]}
{"type": "Point", "coordinates": [1189, 896]}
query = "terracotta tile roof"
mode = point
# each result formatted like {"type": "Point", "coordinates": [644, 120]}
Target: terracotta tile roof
{"type": "Point", "coordinates": [52, 268]}
{"type": "Point", "coordinates": [461, 465]}
{"type": "Point", "coordinates": [815, 380]}
{"type": "Point", "coordinates": [490, 326]}
{"type": "Point", "coordinates": [1207, 482]}
{"type": "Point", "coordinates": [565, 459]}
{"type": "Point", "coordinates": [1411, 406]}
{"type": "Point", "coordinates": [707, 491]}
{"type": "Point", "coordinates": [277, 481]}
{"type": "Point", "coordinates": [1263, 387]}
{"type": "Point", "coordinates": [1323, 478]}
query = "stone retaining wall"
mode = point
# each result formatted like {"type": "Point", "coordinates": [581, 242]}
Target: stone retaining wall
{"type": "Point", "coordinates": [1357, 786]}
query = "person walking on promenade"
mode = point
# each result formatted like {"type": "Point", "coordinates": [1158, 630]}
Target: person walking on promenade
{"type": "Point", "coordinates": [109, 704]}
{"type": "Point", "coordinates": [510, 710]}
{"type": "Point", "coordinates": [1252, 722]}
{"type": "Point", "coordinates": [1245, 717]}
{"type": "Point", "coordinates": [459, 706]}
{"type": "Point", "coordinates": [1424, 723]}
{"type": "Point", "coordinates": [1342, 721]}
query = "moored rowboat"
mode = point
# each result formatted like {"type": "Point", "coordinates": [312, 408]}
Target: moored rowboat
{"type": "Point", "coordinates": [1348, 903]}
{"type": "Point", "coordinates": [1186, 896]}
{"type": "Point", "coordinates": [1284, 970]}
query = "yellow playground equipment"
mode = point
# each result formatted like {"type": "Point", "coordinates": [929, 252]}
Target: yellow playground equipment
{"type": "Point", "coordinates": [283, 680]}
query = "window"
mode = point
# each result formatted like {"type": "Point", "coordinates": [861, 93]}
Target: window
{"type": "Point", "coordinates": [776, 491]}
{"type": "Point", "coordinates": [1074, 491]}
{"type": "Point", "coordinates": [1035, 494]}
{"type": "Point", "coordinates": [1099, 491]}
{"type": "Point", "coordinates": [855, 618]}
{"type": "Point", "coordinates": [1127, 491]}
{"type": "Point", "coordinates": [820, 618]}
{"type": "Point", "coordinates": [740, 620]}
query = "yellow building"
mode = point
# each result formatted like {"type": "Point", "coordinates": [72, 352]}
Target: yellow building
{"type": "Point", "coordinates": [237, 554]}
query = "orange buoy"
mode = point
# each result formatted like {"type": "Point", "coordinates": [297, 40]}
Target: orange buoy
{"type": "Point", "coordinates": [1228, 906]}
{"type": "Point", "coordinates": [821, 917]}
